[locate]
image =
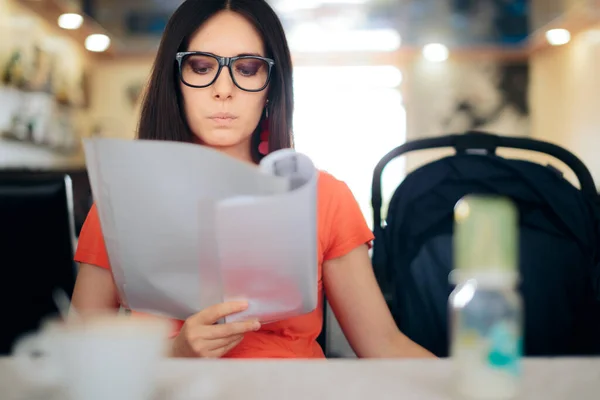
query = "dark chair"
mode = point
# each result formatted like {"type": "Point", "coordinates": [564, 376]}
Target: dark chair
{"type": "Point", "coordinates": [36, 250]}
{"type": "Point", "coordinates": [559, 233]}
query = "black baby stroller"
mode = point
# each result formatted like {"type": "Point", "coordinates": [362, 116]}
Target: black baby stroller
{"type": "Point", "coordinates": [559, 241]}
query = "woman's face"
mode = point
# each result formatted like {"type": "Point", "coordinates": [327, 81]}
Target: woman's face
{"type": "Point", "coordinates": [223, 116]}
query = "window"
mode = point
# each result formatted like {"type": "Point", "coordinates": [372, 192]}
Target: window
{"type": "Point", "coordinates": [346, 119]}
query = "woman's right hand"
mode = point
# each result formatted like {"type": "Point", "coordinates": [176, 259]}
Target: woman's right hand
{"type": "Point", "coordinates": [200, 336]}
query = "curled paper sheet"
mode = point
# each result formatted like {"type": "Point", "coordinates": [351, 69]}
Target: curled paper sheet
{"type": "Point", "coordinates": [187, 227]}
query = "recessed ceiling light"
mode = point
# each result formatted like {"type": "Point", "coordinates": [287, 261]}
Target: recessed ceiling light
{"type": "Point", "coordinates": [436, 52]}
{"type": "Point", "coordinates": [97, 43]}
{"type": "Point", "coordinates": [558, 37]}
{"type": "Point", "coordinates": [70, 21]}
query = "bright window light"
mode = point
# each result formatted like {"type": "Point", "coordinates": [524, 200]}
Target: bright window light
{"type": "Point", "coordinates": [310, 38]}
{"type": "Point", "coordinates": [383, 76]}
{"type": "Point", "coordinates": [289, 6]}
{"type": "Point", "coordinates": [346, 128]}
{"type": "Point", "coordinates": [558, 37]}
{"type": "Point", "coordinates": [97, 43]}
{"type": "Point", "coordinates": [436, 52]}
{"type": "Point", "coordinates": [70, 21]}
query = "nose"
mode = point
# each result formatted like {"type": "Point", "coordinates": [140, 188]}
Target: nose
{"type": "Point", "coordinates": [223, 86]}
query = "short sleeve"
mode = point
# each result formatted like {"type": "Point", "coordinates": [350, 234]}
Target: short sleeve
{"type": "Point", "coordinates": [90, 247]}
{"type": "Point", "coordinates": [347, 227]}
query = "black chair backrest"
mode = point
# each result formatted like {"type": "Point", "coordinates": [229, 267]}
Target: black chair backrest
{"type": "Point", "coordinates": [36, 251]}
{"type": "Point", "coordinates": [481, 141]}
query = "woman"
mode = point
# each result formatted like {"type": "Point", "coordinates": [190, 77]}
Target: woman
{"type": "Point", "coordinates": [223, 78]}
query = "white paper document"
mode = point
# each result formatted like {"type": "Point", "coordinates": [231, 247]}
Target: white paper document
{"type": "Point", "coordinates": [187, 227]}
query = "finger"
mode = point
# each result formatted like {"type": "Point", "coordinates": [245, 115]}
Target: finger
{"type": "Point", "coordinates": [217, 344]}
{"type": "Point", "coordinates": [214, 313]}
{"type": "Point", "coordinates": [234, 328]}
{"type": "Point", "coordinates": [225, 349]}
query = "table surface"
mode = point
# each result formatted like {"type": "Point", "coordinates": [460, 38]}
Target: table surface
{"type": "Point", "coordinates": [544, 379]}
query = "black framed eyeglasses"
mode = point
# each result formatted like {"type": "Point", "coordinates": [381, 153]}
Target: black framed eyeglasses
{"type": "Point", "coordinates": [199, 70]}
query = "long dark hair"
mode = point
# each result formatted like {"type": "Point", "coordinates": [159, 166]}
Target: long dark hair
{"type": "Point", "coordinates": [162, 116]}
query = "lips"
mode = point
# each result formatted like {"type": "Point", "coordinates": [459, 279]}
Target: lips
{"type": "Point", "coordinates": [223, 116]}
{"type": "Point", "coordinates": [223, 120]}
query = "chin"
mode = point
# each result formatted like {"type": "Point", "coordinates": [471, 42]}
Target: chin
{"type": "Point", "coordinates": [223, 138]}
{"type": "Point", "coordinates": [219, 142]}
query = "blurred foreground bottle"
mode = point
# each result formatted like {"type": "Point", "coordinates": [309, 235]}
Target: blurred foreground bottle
{"type": "Point", "coordinates": [485, 308]}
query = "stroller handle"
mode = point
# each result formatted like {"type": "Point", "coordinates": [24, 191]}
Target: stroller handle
{"type": "Point", "coordinates": [475, 140]}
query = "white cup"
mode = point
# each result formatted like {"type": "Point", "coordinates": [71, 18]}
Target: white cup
{"type": "Point", "coordinates": [97, 359]}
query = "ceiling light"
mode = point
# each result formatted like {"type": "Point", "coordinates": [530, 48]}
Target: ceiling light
{"type": "Point", "coordinates": [436, 52]}
{"type": "Point", "coordinates": [70, 21]}
{"type": "Point", "coordinates": [97, 43]}
{"type": "Point", "coordinates": [558, 37]}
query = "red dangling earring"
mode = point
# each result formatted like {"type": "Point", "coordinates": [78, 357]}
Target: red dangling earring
{"type": "Point", "coordinates": [263, 147]}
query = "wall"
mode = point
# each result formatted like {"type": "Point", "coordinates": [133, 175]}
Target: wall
{"type": "Point", "coordinates": [466, 94]}
{"type": "Point", "coordinates": [486, 92]}
{"type": "Point", "coordinates": [565, 92]}
{"type": "Point", "coordinates": [563, 96]}
{"type": "Point", "coordinates": [116, 88]}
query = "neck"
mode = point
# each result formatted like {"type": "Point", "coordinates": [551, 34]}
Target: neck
{"type": "Point", "coordinates": [240, 152]}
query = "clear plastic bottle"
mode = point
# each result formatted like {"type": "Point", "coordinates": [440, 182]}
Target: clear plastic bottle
{"type": "Point", "coordinates": [485, 308]}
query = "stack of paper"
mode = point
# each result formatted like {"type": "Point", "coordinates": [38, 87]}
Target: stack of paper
{"type": "Point", "coordinates": [187, 227]}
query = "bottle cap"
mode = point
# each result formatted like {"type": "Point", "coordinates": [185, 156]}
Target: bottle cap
{"type": "Point", "coordinates": [485, 238]}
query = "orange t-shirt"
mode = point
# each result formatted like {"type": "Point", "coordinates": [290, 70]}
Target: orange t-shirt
{"type": "Point", "coordinates": [341, 228]}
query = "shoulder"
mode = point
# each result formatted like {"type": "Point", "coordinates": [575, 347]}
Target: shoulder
{"type": "Point", "coordinates": [329, 185]}
{"type": "Point", "coordinates": [334, 197]}
{"type": "Point", "coordinates": [332, 191]}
